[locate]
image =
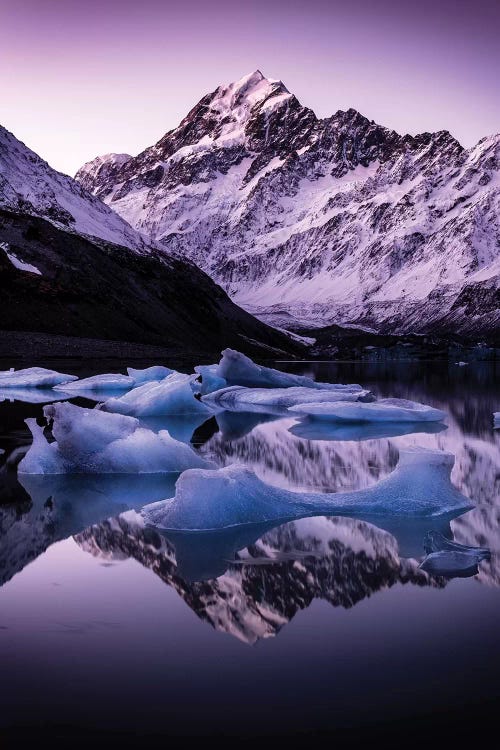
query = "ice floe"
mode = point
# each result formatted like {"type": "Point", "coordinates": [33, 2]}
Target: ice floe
{"type": "Point", "coordinates": [33, 377]}
{"type": "Point", "coordinates": [384, 410]}
{"type": "Point", "coordinates": [237, 369]}
{"type": "Point", "coordinates": [95, 442]}
{"type": "Point", "coordinates": [99, 383]}
{"type": "Point", "coordinates": [156, 372]}
{"type": "Point", "coordinates": [237, 397]}
{"type": "Point", "coordinates": [173, 395]}
{"type": "Point", "coordinates": [318, 429]}
{"type": "Point", "coordinates": [434, 541]}
{"type": "Point", "coordinates": [206, 500]}
{"type": "Point", "coordinates": [449, 559]}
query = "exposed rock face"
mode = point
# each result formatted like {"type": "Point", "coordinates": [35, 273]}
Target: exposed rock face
{"type": "Point", "coordinates": [314, 221]}
{"type": "Point", "coordinates": [103, 291]}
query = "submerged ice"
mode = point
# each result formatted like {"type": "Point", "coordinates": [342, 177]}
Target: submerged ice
{"type": "Point", "coordinates": [90, 441]}
{"type": "Point", "coordinates": [419, 487]}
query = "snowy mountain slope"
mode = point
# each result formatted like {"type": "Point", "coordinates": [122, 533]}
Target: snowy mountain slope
{"type": "Point", "coordinates": [71, 266]}
{"type": "Point", "coordinates": [28, 185]}
{"type": "Point", "coordinates": [327, 220]}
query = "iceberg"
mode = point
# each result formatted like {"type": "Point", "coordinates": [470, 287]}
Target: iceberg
{"type": "Point", "coordinates": [173, 395]}
{"type": "Point", "coordinates": [90, 441]}
{"type": "Point", "coordinates": [384, 410]}
{"type": "Point", "coordinates": [315, 429]}
{"type": "Point", "coordinates": [210, 381]}
{"type": "Point", "coordinates": [237, 397]}
{"type": "Point", "coordinates": [33, 377]}
{"type": "Point", "coordinates": [419, 487]}
{"type": "Point", "coordinates": [237, 369]}
{"type": "Point", "coordinates": [156, 372]}
{"type": "Point", "coordinates": [496, 420]}
{"type": "Point", "coordinates": [98, 383]}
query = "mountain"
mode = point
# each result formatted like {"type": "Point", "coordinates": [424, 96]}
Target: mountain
{"type": "Point", "coordinates": [282, 455]}
{"type": "Point", "coordinates": [342, 561]}
{"type": "Point", "coordinates": [249, 589]}
{"type": "Point", "coordinates": [72, 267]}
{"type": "Point", "coordinates": [308, 222]}
{"type": "Point", "coordinates": [28, 185]}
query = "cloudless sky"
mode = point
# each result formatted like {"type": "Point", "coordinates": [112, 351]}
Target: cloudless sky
{"type": "Point", "coordinates": [85, 77]}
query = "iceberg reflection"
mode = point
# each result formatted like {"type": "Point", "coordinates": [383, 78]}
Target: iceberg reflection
{"type": "Point", "coordinates": [314, 429]}
{"type": "Point", "coordinates": [64, 505]}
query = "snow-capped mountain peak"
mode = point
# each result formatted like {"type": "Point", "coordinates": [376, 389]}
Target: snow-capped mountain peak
{"type": "Point", "coordinates": [251, 90]}
{"type": "Point", "coordinates": [320, 221]}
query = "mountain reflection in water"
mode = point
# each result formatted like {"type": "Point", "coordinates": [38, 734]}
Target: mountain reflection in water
{"type": "Point", "coordinates": [250, 581]}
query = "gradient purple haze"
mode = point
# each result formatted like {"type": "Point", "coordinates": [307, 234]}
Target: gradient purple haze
{"type": "Point", "coordinates": [85, 77]}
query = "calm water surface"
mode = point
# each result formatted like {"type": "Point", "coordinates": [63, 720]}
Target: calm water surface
{"type": "Point", "coordinates": [319, 625]}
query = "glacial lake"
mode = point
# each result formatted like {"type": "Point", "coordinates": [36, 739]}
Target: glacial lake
{"type": "Point", "coordinates": [321, 625]}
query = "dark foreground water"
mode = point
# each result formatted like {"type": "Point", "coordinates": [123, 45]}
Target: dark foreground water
{"type": "Point", "coordinates": [323, 625]}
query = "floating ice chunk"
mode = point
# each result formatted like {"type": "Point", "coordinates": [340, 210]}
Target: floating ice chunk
{"type": "Point", "coordinates": [434, 541]}
{"type": "Point", "coordinates": [237, 369]}
{"type": "Point", "coordinates": [33, 377]}
{"type": "Point", "coordinates": [210, 381]}
{"type": "Point", "coordinates": [157, 372]}
{"type": "Point", "coordinates": [385, 410]}
{"type": "Point", "coordinates": [206, 500]}
{"type": "Point", "coordinates": [450, 559]}
{"type": "Point", "coordinates": [237, 397]}
{"type": "Point", "coordinates": [98, 383]}
{"type": "Point", "coordinates": [90, 441]}
{"type": "Point", "coordinates": [317, 429]}
{"type": "Point", "coordinates": [450, 564]}
{"type": "Point", "coordinates": [496, 420]}
{"type": "Point", "coordinates": [173, 395]}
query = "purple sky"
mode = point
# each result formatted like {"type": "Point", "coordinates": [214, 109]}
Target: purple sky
{"type": "Point", "coordinates": [85, 77]}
